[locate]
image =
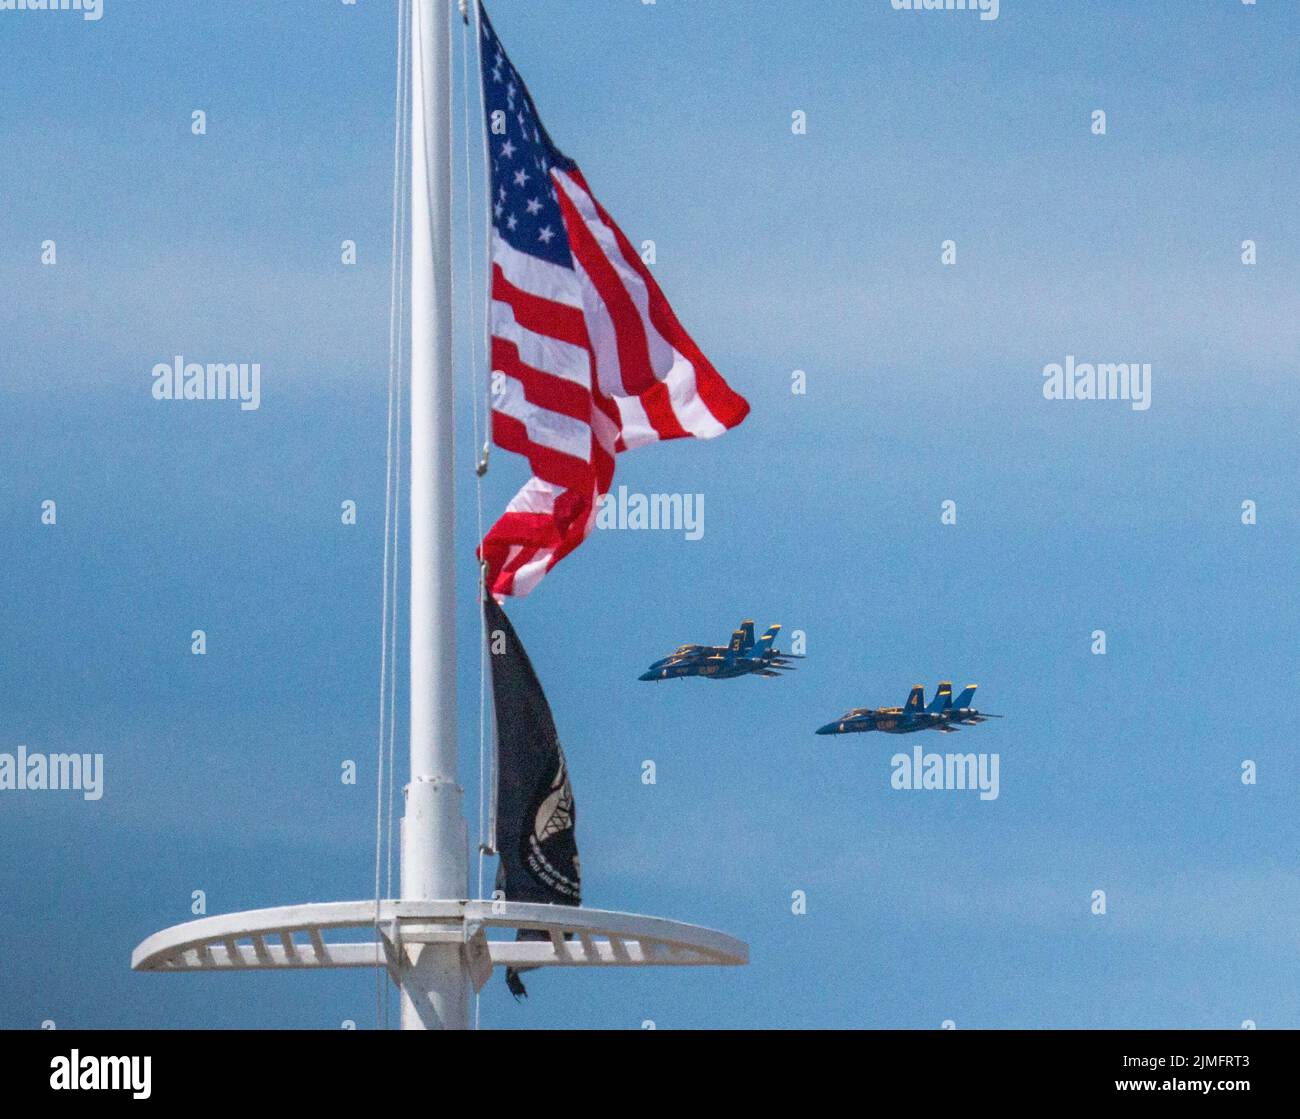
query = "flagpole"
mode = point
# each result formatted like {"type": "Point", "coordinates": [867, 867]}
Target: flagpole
{"type": "Point", "coordinates": [434, 978]}
{"type": "Point", "coordinates": [433, 939]}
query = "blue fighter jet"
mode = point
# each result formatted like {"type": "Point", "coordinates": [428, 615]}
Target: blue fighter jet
{"type": "Point", "coordinates": [913, 715]}
{"type": "Point", "coordinates": [742, 656]}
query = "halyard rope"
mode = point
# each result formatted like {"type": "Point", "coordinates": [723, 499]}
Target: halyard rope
{"type": "Point", "coordinates": [480, 435]}
{"type": "Point", "coordinates": [388, 605]}
{"type": "Point", "coordinates": [404, 171]}
{"type": "Point", "coordinates": [488, 786]}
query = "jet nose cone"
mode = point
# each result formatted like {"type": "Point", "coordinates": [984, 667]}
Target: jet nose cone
{"type": "Point", "coordinates": [829, 728]}
{"type": "Point", "coordinates": [652, 675]}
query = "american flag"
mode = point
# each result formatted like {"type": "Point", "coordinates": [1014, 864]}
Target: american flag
{"type": "Point", "coordinates": [588, 359]}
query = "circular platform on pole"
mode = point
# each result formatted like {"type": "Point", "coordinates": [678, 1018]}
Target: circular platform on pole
{"type": "Point", "coordinates": [293, 936]}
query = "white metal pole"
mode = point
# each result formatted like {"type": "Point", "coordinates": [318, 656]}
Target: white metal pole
{"type": "Point", "coordinates": [434, 834]}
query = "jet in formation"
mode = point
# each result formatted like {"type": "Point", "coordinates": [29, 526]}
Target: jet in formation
{"type": "Point", "coordinates": [742, 656]}
{"type": "Point", "coordinates": [914, 715]}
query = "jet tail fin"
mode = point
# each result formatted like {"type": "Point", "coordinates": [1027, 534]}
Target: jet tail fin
{"type": "Point", "coordinates": [942, 698]}
{"type": "Point", "coordinates": [747, 636]}
{"type": "Point", "coordinates": [764, 645]}
{"type": "Point", "coordinates": [964, 700]}
{"type": "Point", "coordinates": [915, 701]}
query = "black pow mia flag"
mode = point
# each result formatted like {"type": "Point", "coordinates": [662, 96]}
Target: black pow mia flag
{"type": "Point", "coordinates": [535, 813]}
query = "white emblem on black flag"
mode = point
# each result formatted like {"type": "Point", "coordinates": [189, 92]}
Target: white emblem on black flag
{"type": "Point", "coordinates": [535, 814]}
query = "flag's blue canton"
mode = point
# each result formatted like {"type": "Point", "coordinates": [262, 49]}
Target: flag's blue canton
{"type": "Point", "coordinates": [525, 209]}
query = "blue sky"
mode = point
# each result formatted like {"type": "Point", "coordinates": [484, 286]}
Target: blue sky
{"type": "Point", "coordinates": [779, 252]}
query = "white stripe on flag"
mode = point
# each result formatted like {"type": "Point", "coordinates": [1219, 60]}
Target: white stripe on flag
{"type": "Point", "coordinates": [637, 429]}
{"type": "Point", "coordinates": [530, 573]}
{"type": "Point", "coordinates": [661, 353]}
{"type": "Point", "coordinates": [667, 363]}
{"type": "Point", "coordinates": [541, 351]}
{"type": "Point", "coordinates": [546, 428]}
{"type": "Point", "coordinates": [602, 335]}
{"type": "Point", "coordinates": [536, 276]}
{"type": "Point", "coordinates": [689, 407]}
{"type": "Point", "coordinates": [536, 496]}
{"type": "Point", "coordinates": [605, 430]}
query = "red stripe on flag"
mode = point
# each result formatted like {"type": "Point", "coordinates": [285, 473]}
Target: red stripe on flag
{"type": "Point", "coordinates": [535, 530]}
{"type": "Point", "coordinates": [530, 536]}
{"type": "Point", "coordinates": [540, 315]}
{"type": "Point", "coordinates": [658, 406]}
{"type": "Point", "coordinates": [549, 465]}
{"type": "Point", "coordinates": [546, 390]}
{"type": "Point", "coordinates": [728, 407]}
{"type": "Point", "coordinates": [634, 366]}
